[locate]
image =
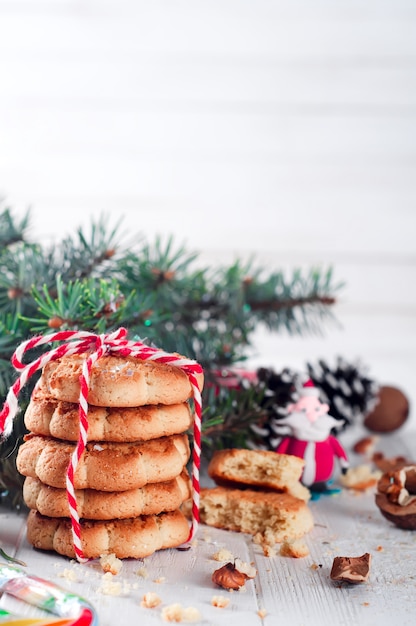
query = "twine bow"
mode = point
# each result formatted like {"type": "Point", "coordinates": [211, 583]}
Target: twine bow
{"type": "Point", "coordinates": [116, 344]}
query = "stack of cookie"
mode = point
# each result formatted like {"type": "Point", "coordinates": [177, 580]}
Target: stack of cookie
{"type": "Point", "coordinates": [257, 492]}
{"type": "Point", "coordinates": [131, 479]}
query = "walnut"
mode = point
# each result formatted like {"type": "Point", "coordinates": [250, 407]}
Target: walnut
{"type": "Point", "coordinates": [233, 575]}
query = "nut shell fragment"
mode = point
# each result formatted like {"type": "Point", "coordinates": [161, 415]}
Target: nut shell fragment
{"type": "Point", "coordinates": [351, 569]}
{"type": "Point", "coordinates": [396, 496]}
{"type": "Point", "coordinates": [233, 576]}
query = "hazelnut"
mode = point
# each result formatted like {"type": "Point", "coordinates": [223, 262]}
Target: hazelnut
{"type": "Point", "coordinates": [233, 575]}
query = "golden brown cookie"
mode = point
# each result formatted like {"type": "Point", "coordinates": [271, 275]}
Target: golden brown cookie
{"type": "Point", "coordinates": [279, 515]}
{"type": "Point", "coordinates": [237, 467]}
{"type": "Point", "coordinates": [117, 382]}
{"type": "Point", "coordinates": [151, 499]}
{"type": "Point", "coordinates": [135, 538]}
{"type": "Point", "coordinates": [49, 417]}
{"type": "Point", "coordinates": [104, 466]}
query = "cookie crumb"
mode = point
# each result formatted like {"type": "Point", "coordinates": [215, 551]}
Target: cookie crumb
{"type": "Point", "coordinates": [110, 563]}
{"type": "Point", "coordinates": [245, 568]}
{"type": "Point", "coordinates": [223, 555]}
{"type": "Point", "coordinates": [142, 573]}
{"type": "Point", "coordinates": [296, 549]}
{"type": "Point", "coordinates": [360, 478]}
{"type": "Point", "coordinates": [68, 574]}
{"type": "Point", "coordinates": [262, 613]}
{"type": "Point", "coordinates": [220, 601]}
{"type": "Point", "coordinates": [160, 580]}
{"type": "Point", "coordinates": [109, 587]}
{"type": "Point", "coordinates": [177, 613]}
{"type": "Point", "coordinates": [150, 600]}
{"type": "Point", "coordinates": [265, 538]}
{"type": "Point", "coordinates": [268, 551]}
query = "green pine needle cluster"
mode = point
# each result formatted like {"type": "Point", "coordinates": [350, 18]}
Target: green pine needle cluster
{"type": "Point", "coordinates": [102, 279]}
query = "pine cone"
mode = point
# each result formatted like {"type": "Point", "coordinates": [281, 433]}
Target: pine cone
{"type": "Point", "coordinates": [280, 390]}
{"type": "Point", "coordinates": [346, 388]}
{"type": "Point", "coordinates": [350, 393]}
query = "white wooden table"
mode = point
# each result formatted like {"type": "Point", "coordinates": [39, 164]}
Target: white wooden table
{"type": "Point", "coordinates": [296, 592]}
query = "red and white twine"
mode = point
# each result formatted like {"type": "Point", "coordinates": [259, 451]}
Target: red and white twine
{"type": "Point", "coordinates": [116, 344]}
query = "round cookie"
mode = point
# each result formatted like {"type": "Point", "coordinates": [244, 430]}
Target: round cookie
{"type": "Point", "coordinates": [150, 499]}
{"type": "Point", "coordinates": [104, 466]}
{"type": "Point", "coordinates": [118, 382]}
{"type": "Point", "coordinates": [49, 417]}
{"type": "Point", "coordinates": [135, 538]}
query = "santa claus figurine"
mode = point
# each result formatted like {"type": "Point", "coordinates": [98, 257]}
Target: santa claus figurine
{"type": "Point", "coordinates": [309, 426]}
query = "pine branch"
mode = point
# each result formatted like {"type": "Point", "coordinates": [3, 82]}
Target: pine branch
{"type": "Point", "coordinates": [12, 230]}
{"type": "Point", "coordinates": [208, 314]}
{"type": "Point", "coordinates": [229, 414]}
{"type": "Point", "coordinates": [97, 280]}
{"type": "Point", "coordinates": [274, 305]}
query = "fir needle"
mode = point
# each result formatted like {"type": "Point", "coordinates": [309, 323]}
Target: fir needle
{"type": "Point", "coordinates": [11, 559]}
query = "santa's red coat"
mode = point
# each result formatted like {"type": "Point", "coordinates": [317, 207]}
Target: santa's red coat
{"type": "Point", "coordinates": [318, 456]}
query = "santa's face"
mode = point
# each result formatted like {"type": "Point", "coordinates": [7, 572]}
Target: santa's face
{"type": "Point", "coordinates": [308, 419]}
{"type": "Point", "coordinates": [310, 406]}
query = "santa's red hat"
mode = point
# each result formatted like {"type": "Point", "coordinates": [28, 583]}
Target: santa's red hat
{"type": "Point", "coordinates": [309, 390]}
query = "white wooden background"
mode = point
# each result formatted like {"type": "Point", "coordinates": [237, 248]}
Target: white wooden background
{"type": "Point", "coordinates": [283, 129]}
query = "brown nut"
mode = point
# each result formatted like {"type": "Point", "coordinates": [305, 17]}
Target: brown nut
{"type": "Point", "coordinates": [399, 485]}
{"type": "Point", "coordinates": [396, 496]}
{"type": "Point", "coordinates": [390, 412]}
{"type": "Point", "coordinates": [351, 569]}
{"type": "Point", "coordinates": [365, 445]}
{"type": "Point", "coordinates": [389, 464]}
{"type": "Point", "coordinates": [233, 575]}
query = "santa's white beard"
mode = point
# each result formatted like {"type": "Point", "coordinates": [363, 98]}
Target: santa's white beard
{"type": "Point", "coordinates": [304, 430]}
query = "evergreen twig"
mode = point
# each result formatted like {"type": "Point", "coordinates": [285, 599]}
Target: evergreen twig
{"type": "Point", "coordinates": [97, 281]}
